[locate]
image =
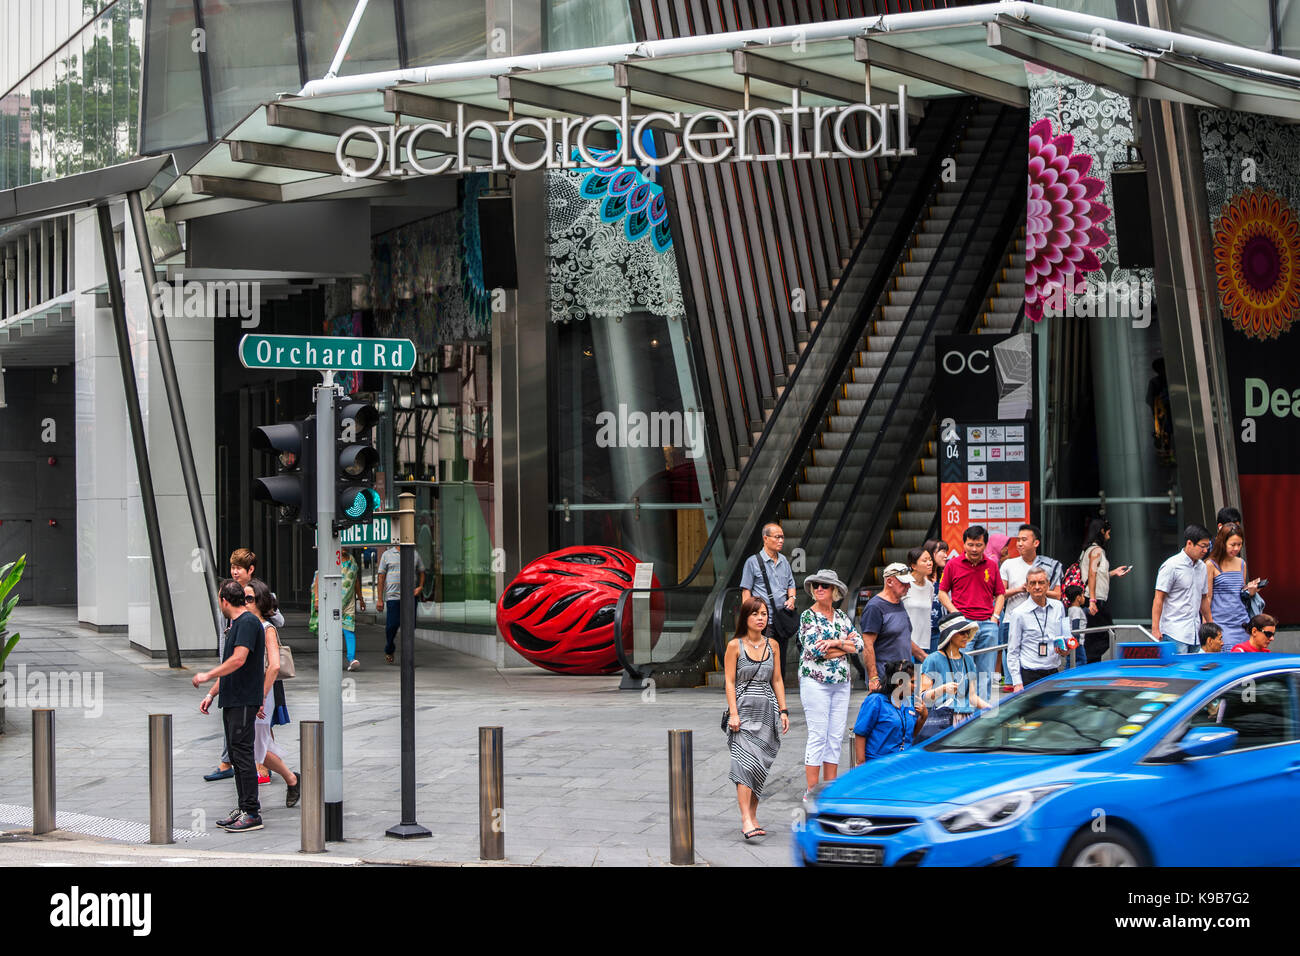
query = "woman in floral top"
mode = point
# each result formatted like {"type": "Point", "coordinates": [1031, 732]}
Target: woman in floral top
{"type": "Point", "coordinates": [826, 638]}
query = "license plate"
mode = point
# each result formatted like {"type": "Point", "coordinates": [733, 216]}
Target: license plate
{"type": "Point", "coordinates": [854, 855]}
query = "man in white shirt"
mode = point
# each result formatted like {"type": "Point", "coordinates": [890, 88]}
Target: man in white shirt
{"type": "Point", "coordinates": [1014, 571]}
{"type": "Point", "coordinates": [1182, 598]}
{"type": "Point", "coordinates": [1033, 649]}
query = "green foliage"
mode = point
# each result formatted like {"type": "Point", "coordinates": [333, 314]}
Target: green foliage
{"type": "Point", "coordinates": [9, 577]}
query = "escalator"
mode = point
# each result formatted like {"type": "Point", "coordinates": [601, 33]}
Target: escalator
{"type": "Point", "coordinates": [912, 256]}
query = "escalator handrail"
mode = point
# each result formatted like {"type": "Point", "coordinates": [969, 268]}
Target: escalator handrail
{"type": "Point", "coordinates": [950, 130]}
{"type": "Point", "coordinates": [995, 253]}
{"type": "Point", "coordinates": [891, 357]}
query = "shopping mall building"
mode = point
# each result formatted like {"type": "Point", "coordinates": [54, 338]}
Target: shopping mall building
{"type": "Point", "coordinates": [876, 268]}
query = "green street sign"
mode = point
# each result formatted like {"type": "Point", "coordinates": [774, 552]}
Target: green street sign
{"type": "Point", "coordinates": [321, 352]}
{"type": "Point", "coordinates": [377, 531]}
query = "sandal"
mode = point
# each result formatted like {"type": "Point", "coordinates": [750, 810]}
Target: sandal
{"type": "Point", "coordinates": [756, 832]}
{"type": "Point", "coordinates": [389, 658]}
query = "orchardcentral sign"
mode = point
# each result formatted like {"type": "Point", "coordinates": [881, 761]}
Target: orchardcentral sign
{"type": "Point", "coordinates": [796, 131]}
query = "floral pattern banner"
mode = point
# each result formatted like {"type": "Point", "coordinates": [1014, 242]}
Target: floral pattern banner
{"type": "Point", "coordinates": [1252, 190]}
{"type": "Point", "coordinates": [1078, 133]}
{"type": "Point", "coordinates": [426, 278]}
{"type": "Point", "coordinates": [609, 246]}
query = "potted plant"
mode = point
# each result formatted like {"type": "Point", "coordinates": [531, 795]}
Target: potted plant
{"type": "Point", "coordinates": [9, 577]}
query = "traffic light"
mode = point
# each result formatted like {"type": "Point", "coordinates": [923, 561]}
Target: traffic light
{"type": "Point", "coordinates": [292, 490]}
{"type": "Point", "coordinates": [355, 496]}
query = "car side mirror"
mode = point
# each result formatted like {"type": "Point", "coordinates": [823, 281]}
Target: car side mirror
{"type": "Point", "coordinates": [1203, 742]}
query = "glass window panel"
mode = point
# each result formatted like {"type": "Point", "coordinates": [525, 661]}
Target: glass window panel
{"type": "Point", "coordinates": [575, 24]}
{"type": "Point", "coordinates": [373, 46]}
{"type": "Point", "coordinates": [45, 120]}
{"type": "Point", "coordinates": [174, 88]}
{"type": "Point", "coordinates": [1245, 22]}
{"type": "Point", "coordinates": [24, 153]}
{"type": "Point", "coordinates": [444, 31]}
{"type": "Point", "coordinates": [1288, 27]}
{"type": "Point", "coordinates": [67, 79]}
{"type": "Point", "coordinates": [252, 56]}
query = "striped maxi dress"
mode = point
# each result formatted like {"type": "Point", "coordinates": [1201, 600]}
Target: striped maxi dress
{"type": "Point", "coordinates": [754, 746]}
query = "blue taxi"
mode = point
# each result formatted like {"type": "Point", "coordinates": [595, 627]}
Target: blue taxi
{"type": "Point", "coordinates": [1152, 759]}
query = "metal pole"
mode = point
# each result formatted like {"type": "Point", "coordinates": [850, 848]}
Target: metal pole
{"type": "Point", "coordinates": [681, 798]}
{"type": "Point", "coordinates": [176, 405]}
{"type": "Point", "coordinates": [160, 778]}
{"type": "Point", "coordinates": [406, 543]}
{"type": "Point", "coordinates": [346, 41]}
{"type": "Point", "coordinates": [491, 795]}
{"type": "Point", "coordinates": [329, 568]}
{"type": "Point", "coordinates": [311, 750]}
{"type": "Point", "coordinates": [43, 771]}
{"type": "Point", "coordinates": [136, 421]}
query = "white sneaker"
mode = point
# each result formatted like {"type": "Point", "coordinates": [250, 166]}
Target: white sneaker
{"type": "Point", "coordinates": [354, 666]}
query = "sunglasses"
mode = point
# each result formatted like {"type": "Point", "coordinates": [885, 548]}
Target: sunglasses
{"type": "Point", "coordinates": [822, 587]}
{"type": "Point", "coordinates": [1267, 633]}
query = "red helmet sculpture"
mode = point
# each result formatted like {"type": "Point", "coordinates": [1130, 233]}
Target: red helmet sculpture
{"type": "Point", "coordinates": [559, 611]}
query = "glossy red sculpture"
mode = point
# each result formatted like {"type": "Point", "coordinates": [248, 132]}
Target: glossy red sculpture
{"type": "Point", "coordinates": [559, 611]}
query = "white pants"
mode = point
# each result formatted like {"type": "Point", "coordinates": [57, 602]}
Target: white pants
{"type": "Point", "coordinates": [825, 708]}
{"type": "Point", "coordinates": [263, 742]}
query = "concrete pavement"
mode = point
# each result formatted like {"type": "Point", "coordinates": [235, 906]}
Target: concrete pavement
{"type": "Point", "coordinates": [586, 777]}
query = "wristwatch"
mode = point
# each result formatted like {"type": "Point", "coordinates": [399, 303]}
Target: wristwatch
{"type": "Point", "coordinates": [786, 712]}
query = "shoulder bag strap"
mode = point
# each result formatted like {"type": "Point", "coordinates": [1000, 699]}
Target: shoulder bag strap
{"type": "Point", "coordinates": [767, 582]}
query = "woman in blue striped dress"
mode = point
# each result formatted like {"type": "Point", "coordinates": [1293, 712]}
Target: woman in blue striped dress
{"type": "Point", "coordinates": [1227, 583]}
{"type": "Point", "coordinates": [757, 712]}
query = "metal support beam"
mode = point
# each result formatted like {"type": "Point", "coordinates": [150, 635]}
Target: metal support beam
{"type": "Point", "coordinates": [897, 60]}
{"type": "Point", "coordinates": [283, 116]}
{"type": "Point", "coordinates": [236, 188]}
{"type": "Point", "coordinates": [176, 406]}
{"type": "Point", "coordinates": [406, 103]}
{"type": "Point", "coordinates": [655, 83]}
{"type": "Point", "coordinates": [285, 157]}
{"type": "Point", "coordinates": [783, 73]}
{"type": "Point", "coordinates": [1176, 83]}
{"type": "Point", "coordinates": [158, 561]}
{"type": "Point", "coordinates": [1033, 50]}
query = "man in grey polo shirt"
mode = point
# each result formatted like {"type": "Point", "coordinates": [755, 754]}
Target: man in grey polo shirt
{"type": "Point", "coordinates": [1182, 598]}
{"type": "Point", "coordinates": [779, 575]}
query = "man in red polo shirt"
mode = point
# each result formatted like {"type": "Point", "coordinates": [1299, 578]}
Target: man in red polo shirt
{"type": "Point", "coordinates": [973, 587]}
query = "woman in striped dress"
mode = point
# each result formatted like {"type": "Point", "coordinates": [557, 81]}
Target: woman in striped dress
{"type": "Point", "coordinates": [758, 716]}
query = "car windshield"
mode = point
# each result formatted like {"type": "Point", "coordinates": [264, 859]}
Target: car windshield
{"type": "Point", "coordinates": [1066, 717]}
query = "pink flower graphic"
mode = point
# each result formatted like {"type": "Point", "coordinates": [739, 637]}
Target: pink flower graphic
{"type": "Point", "coordinates": [1062, 217]}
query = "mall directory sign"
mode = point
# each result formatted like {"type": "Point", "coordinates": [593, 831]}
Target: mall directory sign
{"type": "Point", "coordinates": [327, 352]}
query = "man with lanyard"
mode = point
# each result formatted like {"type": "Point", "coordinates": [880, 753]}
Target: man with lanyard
{"type": "Point", "coordinates": [971, 585]}
{"type": "Point", "coordinates": [1182, 599]}
{"type": "Point", "coordinates": [1039, 629]}
{"type": "Point", "coordinates": [1015, 570]}
{"type": "Point", "coordinates": [768, 575]}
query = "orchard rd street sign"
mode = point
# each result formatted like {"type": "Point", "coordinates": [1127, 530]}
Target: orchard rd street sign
{"type": "Point", "coordinates": [323, 352]}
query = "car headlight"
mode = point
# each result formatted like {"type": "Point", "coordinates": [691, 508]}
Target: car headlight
{"type": "Point", "coordinates": [996, 811]}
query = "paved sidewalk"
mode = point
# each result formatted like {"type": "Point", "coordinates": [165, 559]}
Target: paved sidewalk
{"type": "Point", "coordinates": [585, 763]}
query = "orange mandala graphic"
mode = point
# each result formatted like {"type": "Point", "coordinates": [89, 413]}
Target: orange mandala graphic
{"type": "Point", "coordinates": [1257, 261]}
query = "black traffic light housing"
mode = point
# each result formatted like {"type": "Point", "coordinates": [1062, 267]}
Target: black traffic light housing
{"type": "Point", "coordinates": [354, 477]}
{"type": "Point", "coordinates": [292, 490]}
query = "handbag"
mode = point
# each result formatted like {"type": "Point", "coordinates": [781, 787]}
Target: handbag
{"type": "Point", "coordinates": [286, 663]}
{"type": "Point", "coordinates": [783, 621]}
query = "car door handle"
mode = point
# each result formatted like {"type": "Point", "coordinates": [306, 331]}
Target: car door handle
{"type": "Point", "coordinates": [1294, 768]}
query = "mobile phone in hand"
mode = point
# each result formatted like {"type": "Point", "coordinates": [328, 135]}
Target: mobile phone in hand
{"type": "Point", "coordinates": [1262, 582]}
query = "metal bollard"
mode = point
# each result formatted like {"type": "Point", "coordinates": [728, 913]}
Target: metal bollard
{"type": "Point", "coordinates": [491, 795]}
{"type": "Point", "coordinates": [43, 771]}
{"type": "Point", "coordinates": [853, 751]}
{"type": "Point", "coordinates": [681, 798]}
{"type": "Point", "coordinates": [311, 744]}
{"type": "Point", "coordinates": [160, 778]}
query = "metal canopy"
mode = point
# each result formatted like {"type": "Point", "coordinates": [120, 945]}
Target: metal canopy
{"type": "Point", "coordinates": [285, 150]}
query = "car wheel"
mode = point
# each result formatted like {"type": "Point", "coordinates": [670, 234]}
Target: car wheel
{"type": "Point", "coordinates": [1115, 848]}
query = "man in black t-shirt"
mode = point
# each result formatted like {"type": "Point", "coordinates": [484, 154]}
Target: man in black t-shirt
{"type": "Point", "coordinates": [241, 673]}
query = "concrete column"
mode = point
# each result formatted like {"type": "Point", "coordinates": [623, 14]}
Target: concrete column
{"type": "Point", "coordinates": [104, 465]}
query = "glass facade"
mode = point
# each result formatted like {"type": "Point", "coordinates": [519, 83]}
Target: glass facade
{"type": "Point", "coordinates": [78, 109]}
